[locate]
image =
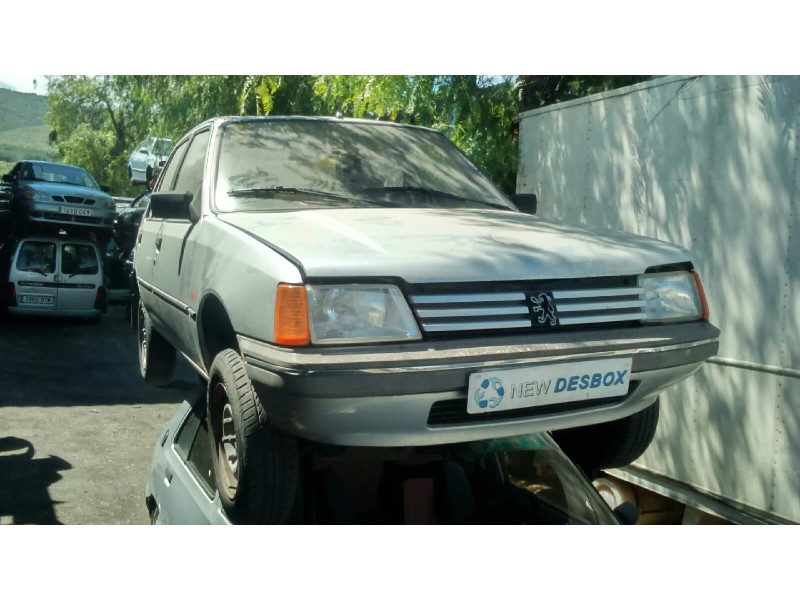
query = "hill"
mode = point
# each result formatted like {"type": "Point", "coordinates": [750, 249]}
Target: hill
{"type": "Point", "coordinates": [23, 133]}
{"type": "Point", "coordinates": [21, 110]}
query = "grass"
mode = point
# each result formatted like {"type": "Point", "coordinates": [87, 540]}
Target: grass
{"type": "Point", "coordinates": [26, 143]}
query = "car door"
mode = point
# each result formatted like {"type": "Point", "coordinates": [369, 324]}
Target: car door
{"type": "Point", "coordinates": [79, 275]}
{"type": "Point", "coordinates": [176, 241]}
{"type": "Point", "coordinates": [148, 241]}
{"type": "Point", "coordinates": [185, 491]}
{"type": "Point", "coordinates": [34, 275]}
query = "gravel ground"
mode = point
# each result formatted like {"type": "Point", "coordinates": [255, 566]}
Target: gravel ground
{"type": "Point", "coordinates": [77, 422]}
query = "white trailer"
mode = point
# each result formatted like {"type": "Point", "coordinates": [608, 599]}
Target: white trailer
{"type": "Point", "coordinates": [709, 163]}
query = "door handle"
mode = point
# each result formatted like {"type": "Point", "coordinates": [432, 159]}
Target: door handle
{"type": "Point", "coordinates": [158, 244]}
{"type": "Point", "coordinates": [168, 475]}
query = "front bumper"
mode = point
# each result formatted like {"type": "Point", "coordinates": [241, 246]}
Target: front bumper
{"type": "Point", "coordinates": [415, 394]}
{"type": "Point", "coordinates": [50, 212]}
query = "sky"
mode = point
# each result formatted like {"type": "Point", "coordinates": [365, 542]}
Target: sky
{"type": "Point", "coordinates": [24, 83]}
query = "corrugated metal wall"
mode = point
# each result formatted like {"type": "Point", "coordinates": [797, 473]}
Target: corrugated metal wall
{"type": "Point", "coordinates": [709, 163]}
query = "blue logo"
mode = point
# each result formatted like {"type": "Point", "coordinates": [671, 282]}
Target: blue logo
{"type": "Point", "coordinates": [489, 393]}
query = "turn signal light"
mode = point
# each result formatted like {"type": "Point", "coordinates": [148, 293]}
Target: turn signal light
{"type": "Point", "coordinates": [291, 316]}
{"type": "Point", "coordinates": [702, 293]}
{"type": "Point", "coordinates": [100, 299]}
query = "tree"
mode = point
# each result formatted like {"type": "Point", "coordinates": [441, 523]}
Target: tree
{"type": "Point", "coordinates": [97, 121]}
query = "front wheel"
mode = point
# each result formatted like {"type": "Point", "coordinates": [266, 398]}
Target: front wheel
{"type": "Point", "coordinates": [255, 465]}
{"type": "Point", "coordinates": [612, 444]}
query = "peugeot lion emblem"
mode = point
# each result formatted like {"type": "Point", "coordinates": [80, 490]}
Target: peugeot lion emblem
{"type": "Point", "coordinates": [543, 310]}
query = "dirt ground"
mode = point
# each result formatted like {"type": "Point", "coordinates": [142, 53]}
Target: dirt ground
{"type": "Point", "coordinates": [77, 422]}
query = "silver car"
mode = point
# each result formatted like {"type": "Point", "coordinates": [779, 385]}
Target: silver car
{"type": "Point", "coordinates": [148, 158]}
{"type": "Point", "coordinates": [519, 480]}
{"type": "Point", "coordinates": [361, 283]}
{"type": "Point", "coordinates": [60, 196]}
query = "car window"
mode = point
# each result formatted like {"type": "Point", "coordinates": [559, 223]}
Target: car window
{"type": "Point", "coordinates": [162, 147]}
{"type": "Point", "coordinates": [78, 259]}
{"type": "Point", "coordinates": [192, 444]}
{"type": "Point", "coordinates": [190, 176]}
{"type": "Point", "coordinates": [543, 485]}
{"type": "Point", "coordinates": [37, 257]}
{"type": "Point", "coordinates": [165, 183]}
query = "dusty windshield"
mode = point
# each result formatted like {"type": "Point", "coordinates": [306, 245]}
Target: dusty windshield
{"type": "Point", "coordinates": [57, 173]}
{"type": "Point", "coordinates": [284, 165]}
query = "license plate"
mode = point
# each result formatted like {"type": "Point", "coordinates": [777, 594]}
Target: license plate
{"type": "Point", "coordinates": [28, 299]}
{"type": "Point", "coordinates": [494, 391]}
{"type": "Point", "coordinates": [69, 210]}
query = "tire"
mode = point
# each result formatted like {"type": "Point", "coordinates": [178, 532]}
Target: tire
{"type": "Point", "coordinates": [148, 174]}
{"type": "Point", "coordinates": [156, 355]}
{"type": "Point", "coordinates": [256, 466]}
{"type": "Point", "coordinates": [612, 444]}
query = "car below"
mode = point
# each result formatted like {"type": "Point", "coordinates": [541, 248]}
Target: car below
{"type": "Point", "coordinates": [54, 276]}
{"type": "Point", "coordinates": [126, 224]}
{"type": "Point", "coordinates": [518, 480]}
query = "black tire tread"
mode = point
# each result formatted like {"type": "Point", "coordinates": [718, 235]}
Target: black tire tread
{"type": "Point", "coordinates": [269, 459]}
{"type": "Point", "coordinates": [612, 444]}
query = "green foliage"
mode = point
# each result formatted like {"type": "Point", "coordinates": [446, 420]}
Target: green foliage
{"type": "Point", "coordinates": [98, 121]}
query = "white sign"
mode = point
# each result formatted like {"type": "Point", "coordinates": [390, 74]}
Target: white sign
{"type": "Point", "coordinates": [494, 391]}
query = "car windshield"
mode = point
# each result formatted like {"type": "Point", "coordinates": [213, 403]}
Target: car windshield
{"type": "Point", "coordinates": [543, 485]}
{"type": "Point", "coordinates": [285, 165]}
{"type": "Point", "coordinates": [56, 173]}
{"type": "Point", "coordinates": [162, 147]}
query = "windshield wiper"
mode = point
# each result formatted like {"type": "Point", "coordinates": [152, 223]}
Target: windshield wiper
{"type": "Point", "coordinates": [304, 192]}
{"type": "Point", "coordinates": [410, 189]}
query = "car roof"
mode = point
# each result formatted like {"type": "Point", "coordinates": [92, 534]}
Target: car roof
{"type": "Point", "coordinates": [54, 239]}
{"type": "Point", "coordinates": [50, 162]}
{"type": "Point", "coordinates": [218, 121]}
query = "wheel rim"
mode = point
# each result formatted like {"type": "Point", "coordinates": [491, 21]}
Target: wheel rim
{"type": "Point", "coordinates": [226, 453]}
{"type": "Point", "coordinates": [142, 340]}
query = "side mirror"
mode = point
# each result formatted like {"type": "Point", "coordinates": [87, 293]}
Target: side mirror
{"type": "Point", "coordinates": [173, 205]}
{"type": "Point", "coordinates": [526, 203]}
{"type": "Point", "coordinates": [105, 189]}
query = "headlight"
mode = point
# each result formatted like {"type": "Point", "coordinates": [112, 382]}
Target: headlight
{"type": "Point", "coordinates": [359, 313]}
{"type": "Point", "coordinates": [671, 296]}
{"type": "Point", "coordinates": [38, 196]}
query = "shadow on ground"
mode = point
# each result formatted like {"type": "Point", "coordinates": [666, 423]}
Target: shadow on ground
{"type": "Point", "coordinates": [24, 483]}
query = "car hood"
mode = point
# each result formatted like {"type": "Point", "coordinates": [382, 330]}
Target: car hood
{"type": "Point", "coordinates": [61, 189]}
{"type": "Point", "coordinates": [433, 245]}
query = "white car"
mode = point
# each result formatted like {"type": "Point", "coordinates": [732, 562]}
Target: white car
{"type": "Point", "coordinates": [148, 158]}
{"type": "Point", "coordinates": [55, 276]}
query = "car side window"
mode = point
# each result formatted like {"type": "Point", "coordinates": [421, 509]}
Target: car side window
{"type": "Point", "coordinates": [38, 257]}
{"type": "Point", "coordinates": [193, 446]}
{"type": "Point", "coordinates": [168, 178]}
{"type": "Point", "coordinates": [190, 176]}
{"type": "Point", "coordinates": [78, 259]}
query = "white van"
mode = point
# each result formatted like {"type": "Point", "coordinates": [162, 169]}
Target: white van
{"type": "Point", "coordinates": [56, 276]}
